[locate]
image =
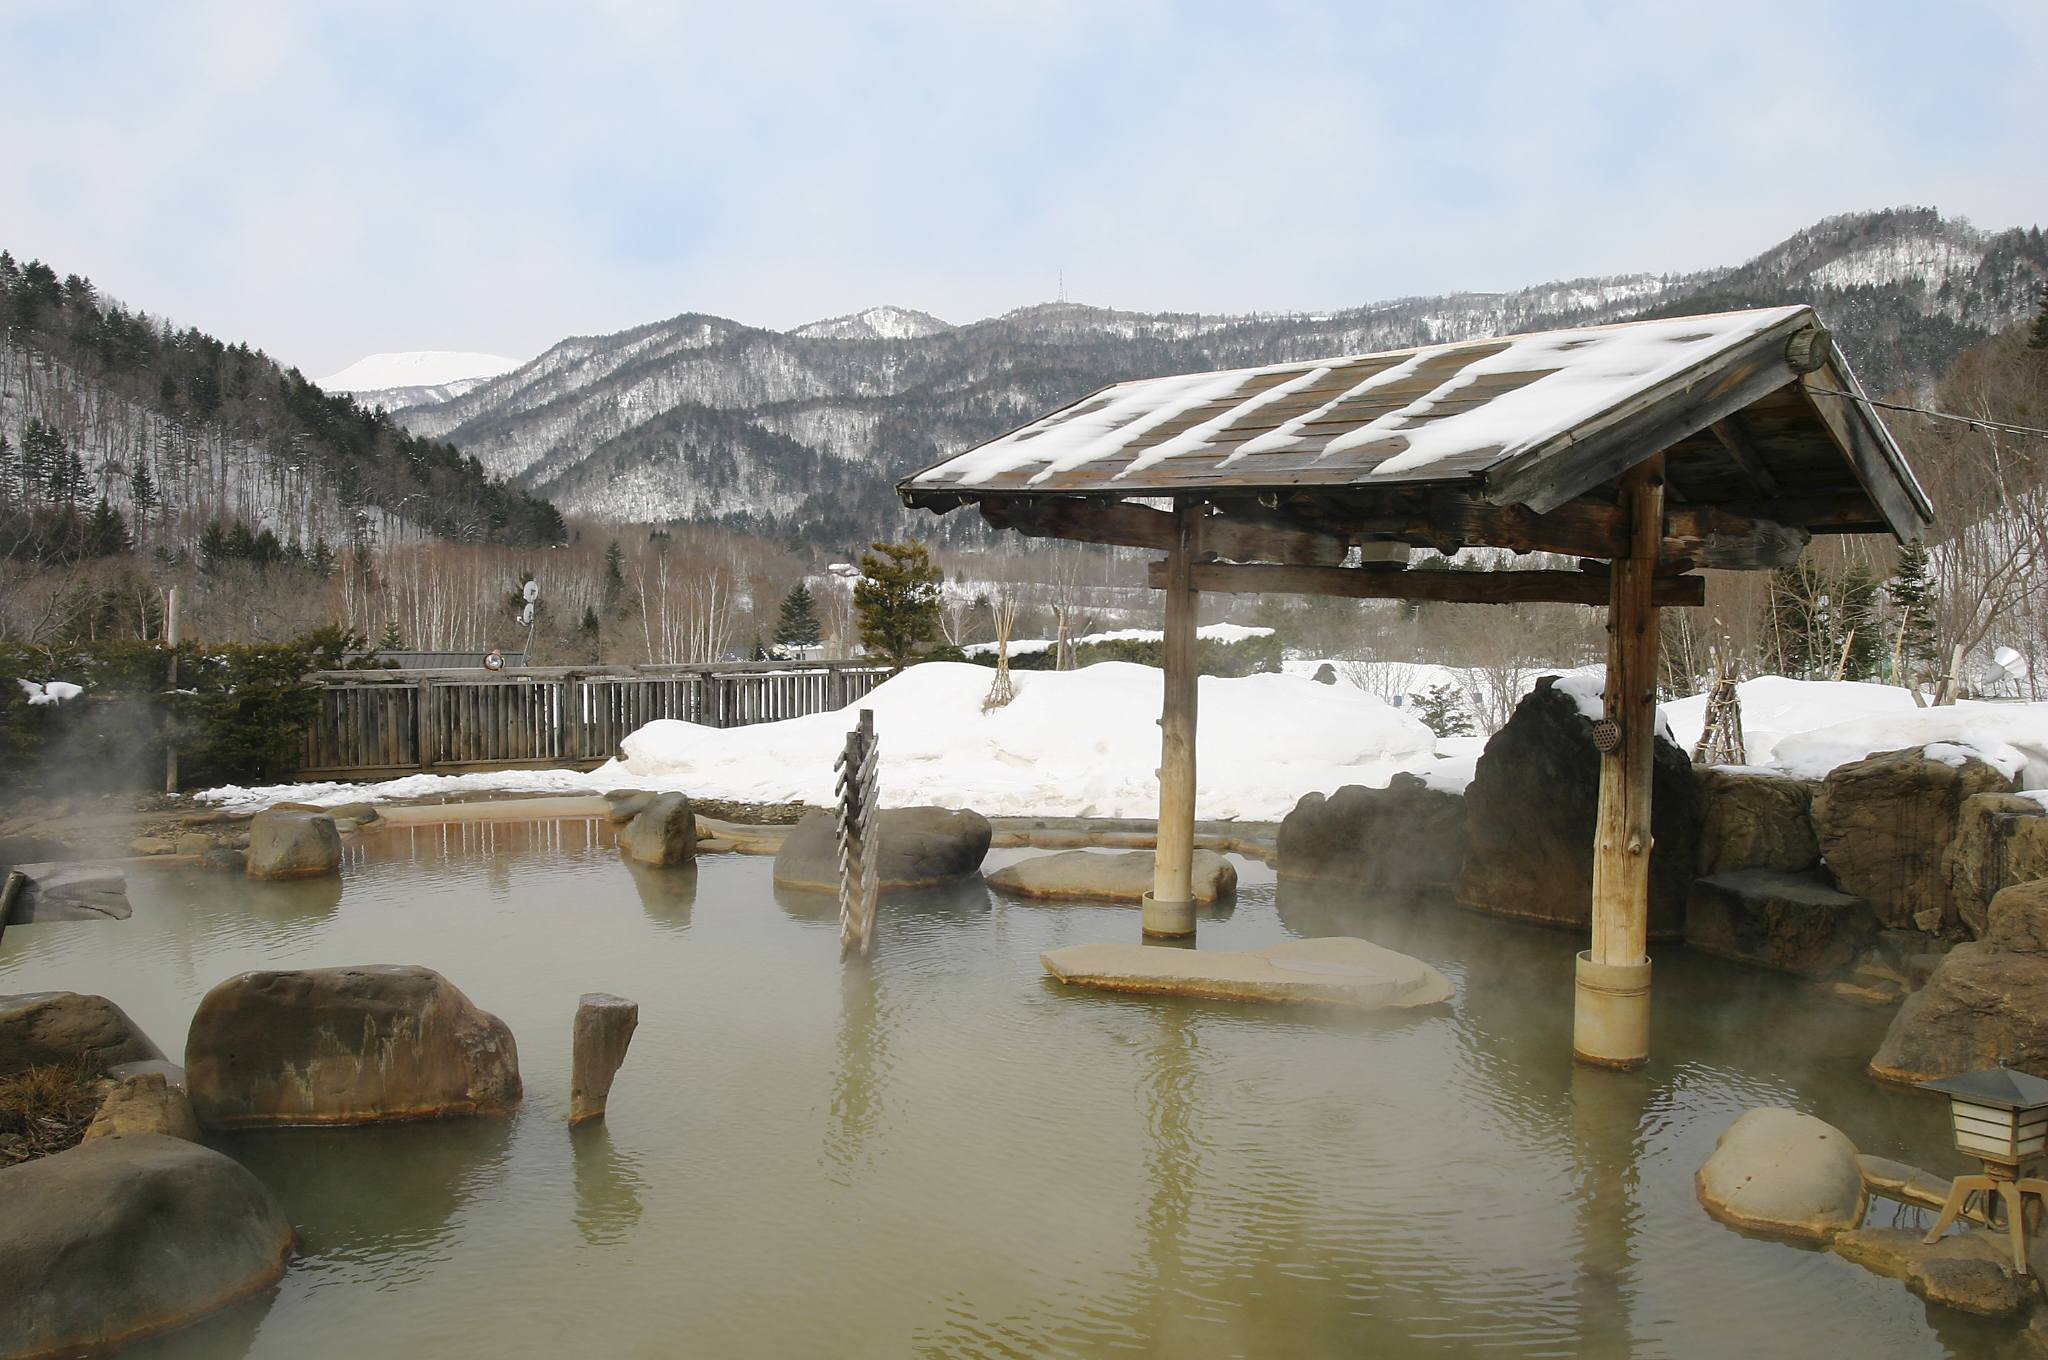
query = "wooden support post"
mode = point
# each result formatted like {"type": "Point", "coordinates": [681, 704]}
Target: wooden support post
{"type": "Point", "coordinates": [1611, 1021]}
{"type": "Point", "coordinates": [425, 737]}
{"type": "Point", "coordinates": [171, 684]}
{"type": "Point", "coordinates": [604, 1026]}
{"type": "Point", "coordinates": [1169, 909]}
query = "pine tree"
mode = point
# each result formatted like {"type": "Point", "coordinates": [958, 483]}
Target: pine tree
{"type": "Point", "coordinates": [1442, 710]}
{"type": "Point", "coordinates": [2037, 338]}
{"type": "Point", "coordinates": [897, 601]}
{"type": "Point", "coordinates": [614, 588]}
{"type": "Point", "coordinates": [1915, 641]}
{"type": "Point", "coordinates": [105, 533]}
{"type": "Point", "coordinates": [142, 490]}
{"type": "Point", "coordinates": [213, 547]}
{"type": "Point", "coordinates": [799, 625]}
{"type": "Point", "coordinates": [391, 641]}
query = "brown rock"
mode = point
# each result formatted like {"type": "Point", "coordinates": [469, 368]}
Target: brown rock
{"type": "Point", "coordinates": [1978, 1006]}
{"type": "Point", "coordinates": [1084, 875]}
{"type": "Point", "coordinates": [1777, 920]}
{"type": "Point", "coordinates": [626, 804]}
{"type": "Point", "coordinates": [346, 1046]}
{"type": "Point", "coordinates": [2001, 839]}
{"type": "Point", "coordinates": [145, 1103]}
{"type": "Point", "coordinates": [37, 1028]}
{"type": "Point", "coordinates": [151, 845]}
{"type": "Point", "coordinates": [1885, 823]}
{"type": "Point", "coordinates": [1529, 814]}
{"type": "Point", "coordinates": [1406, 835]}
{"type": "Point", "coordinates": [920, 847]}
{"type": "Point", "coordinates": [194, 844]}
{"type": "Point", "coordinates": [1971, 1271]}
{"type": "Point", "coordinates": [663, 833]}
{"type": "Point", "coordinates": [128, 1235]}
{"type": "Point", "coordinates": [1755, 821]}
{"type": "Point", "coordinates": [1779, 1171]}
{"type": "Point", "coordinates": [2016, 922]}
{"type": "Point", "coordinates": [604, 1027]}
{"type": "Point", "coordinates": [289, 841]}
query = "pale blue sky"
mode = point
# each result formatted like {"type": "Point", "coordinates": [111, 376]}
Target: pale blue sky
{"type": "Point", "coordinates": [330, 180]}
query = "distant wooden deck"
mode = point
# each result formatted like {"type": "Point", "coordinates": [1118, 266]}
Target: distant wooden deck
{"type": "Point", "coordinates": [380, 724]}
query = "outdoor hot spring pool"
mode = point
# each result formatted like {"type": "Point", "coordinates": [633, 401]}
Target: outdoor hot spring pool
{"type": "Point", "coordinates": [944, 1153]}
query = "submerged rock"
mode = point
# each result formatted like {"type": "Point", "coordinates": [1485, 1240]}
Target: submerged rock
{"type": "Point", "coordinates": [1406, 835]}
{"type": "Point", "coordinates": [2001, 839]}
{"type": "Point", "coordinates": [69, 892]}
{"type": "Point", "coordinates": [1779, 920]}
{"type": "Point", "coordinates": [346, 1046]}
{"type": "Point", "coordinates": [920, 847]}
{"type": "Point", "coordinates": [1984, 1001]}
{"type": "Point", "coordinates": [663, 833]}
{"type": "Point", "coordinates": [1530, 814]}
{"type": "Point", "coordinates": [292, 841]}
{"type": "Point", "coordinates": [1779, 1171]}
{"type": "Point", "coordinates": [1086, 876]}
{"type": "Point", "coordinates": [1755, 821]}
{"type": "Point", "coordinates": [1885, 823]}
{"type": "Point", "coordinates": [145, 1103]}
{"type": "Point", "coordinates": [1969, 1270]}
{"type": "Point", "coordinates": [1339, 971]}
{"type": "Point", "coordinates": [37, 1028]}
{"type": "Point", "coordinates": [127, 1235]}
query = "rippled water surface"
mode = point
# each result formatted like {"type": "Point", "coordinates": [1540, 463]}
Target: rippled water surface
{"type": "Point", "coordinates": [944, 1153]}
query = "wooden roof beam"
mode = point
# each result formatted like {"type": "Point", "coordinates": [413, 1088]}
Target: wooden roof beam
{"type": "Point", "coordinates": [1140, 526]}
{"type": "Point", "coordinates": [1735, 438]}
{"type": "Point", "coordinates": [1451, 587]}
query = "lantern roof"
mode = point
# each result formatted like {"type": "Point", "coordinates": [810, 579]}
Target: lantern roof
{"type": "Point", "coordinates": [1999, 1086]}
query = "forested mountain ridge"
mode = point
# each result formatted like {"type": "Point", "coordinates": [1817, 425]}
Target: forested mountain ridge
{"type": "Point", "coordinates": [700, 418]}
{"type": "Point", "coordinates": [172, 430]}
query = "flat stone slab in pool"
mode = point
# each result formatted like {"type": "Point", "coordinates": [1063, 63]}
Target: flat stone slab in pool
{"type": "Point", "coordinates": [1338, 971]}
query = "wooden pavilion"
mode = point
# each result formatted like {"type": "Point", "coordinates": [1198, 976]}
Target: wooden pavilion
{"type": "Point", "coordinates": [1646, 449]}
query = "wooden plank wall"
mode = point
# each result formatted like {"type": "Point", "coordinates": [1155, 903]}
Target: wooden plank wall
{"type": "Point", "coordinates": [378, 723]}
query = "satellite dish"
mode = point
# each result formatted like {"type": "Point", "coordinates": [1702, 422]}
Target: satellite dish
{"type": "Point", "coordinates": [526, 614]}
{"type": "Point", "coordinates": [531, 591]}
{"type": "Point", "coordinates": [2007, 664]}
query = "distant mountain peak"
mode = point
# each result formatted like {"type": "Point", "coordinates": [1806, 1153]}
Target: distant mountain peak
{"type": "Point", "coordinates": [875, 323]}
{"type": "Point", "coordinates": [417, 368]}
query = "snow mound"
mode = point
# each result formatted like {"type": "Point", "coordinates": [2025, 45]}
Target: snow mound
{"type": "Point", "coordinates": [420, 368]}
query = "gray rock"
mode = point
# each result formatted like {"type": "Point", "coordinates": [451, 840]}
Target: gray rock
{"type": "Point", "coordinates": [1530, 811]}
{"type": "Point", "coordinates": [1777, 920]}
{"type": "Point", "coordinates": [362, 814]}
{"type": "Point", "coordinates": [626, 804]}
{"type": "Point", "coordinates": [290, 841]}
{"type": "Point", "coordinates": [1979, 1006]}
{"type": "Point", "coordinates": [2001, 839]}
{"type": "Point", "coordinates": [226, 858]}
{"type": "Point", "coordinates": [128, 1235]}
{"type": "Point", "coordinates": [37, 1028]}
{"type": "Point", "coordinates": [1084, 875]}
{"type": "Point", "coordinates": [1885, 824]}
{"type": "Point", "coordinates": [1779, 1171]}
{"type": "Point", "coordinates": [662, 834]}
{"type": "Point", "coordinates": [69, 892]}
{"type": "Point", "coordinates": [1755, 821]}
{"type": "Point", "coordinates": [919, 847]}
{"type": "Point", "coordinates": [1971, 1271]}
{"type": "Point", "coordinates": [346, 1046]}
{"type": "Point", "coordinates": [1406, 835]}
{"type": "Point", "coordinates": [145, 1103]}
{"type": "Point", "coordinates": [604, 1028]}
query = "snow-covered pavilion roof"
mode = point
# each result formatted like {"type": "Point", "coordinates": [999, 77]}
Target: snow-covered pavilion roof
{"type": "Point", "coordinates": [1531, 419]}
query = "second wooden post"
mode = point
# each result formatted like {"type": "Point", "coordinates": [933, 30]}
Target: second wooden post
{"type": "Point", "coordinates": [1611, 1012]}
{"type": "Point", "coordinates": [1169, 909]}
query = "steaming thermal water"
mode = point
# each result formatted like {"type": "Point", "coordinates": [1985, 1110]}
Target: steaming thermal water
{"type": "Point", "coordinates": [947, 1154]}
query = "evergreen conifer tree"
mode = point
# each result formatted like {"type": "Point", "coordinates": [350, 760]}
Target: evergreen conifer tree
{"type": "Point", "coordinates": [2037, 338]}
{"type": "Point", "coordinates": [1914, 640]}
{"type": "Point", "coordinates": [614, 574]}
{"type": "Point", "coordinates": [105, 533]}
{"type": "Point", "coordinates": [392, 641]}
{"type": "Point", "coordinates": [213, 547]}
{"type": "Point", "coordinates": [1823, 623]}
{"type": "Point", "coordinates": [142, 490]}
{"type": "Point", "coordinates": [897, 600]}
{"type": "Point", "coordinates": [799, 625]}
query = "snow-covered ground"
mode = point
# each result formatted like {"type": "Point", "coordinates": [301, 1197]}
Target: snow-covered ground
{"type": "Point", "coordinates": [1215, 632]}
{"type": "Point", "coordinates": [1086, 743]}
{"type": "Point", "coordinates": [420, 368]}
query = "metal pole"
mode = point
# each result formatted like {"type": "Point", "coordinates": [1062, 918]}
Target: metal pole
{"type": "Point", "coordinates": [1611, 1017]}
{"type": "Point", "coordinates": [1169, 909]}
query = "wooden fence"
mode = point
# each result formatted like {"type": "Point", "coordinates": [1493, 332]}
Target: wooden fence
{"type": "Point", "coordinates": [382, 723]}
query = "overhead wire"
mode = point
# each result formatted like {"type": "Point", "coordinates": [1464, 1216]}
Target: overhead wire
{"type": "Point", "coordinates": [1972, 421]}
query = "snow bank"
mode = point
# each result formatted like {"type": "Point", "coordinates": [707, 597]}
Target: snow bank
{"type": "Point", "coordinates": [1214, 632]}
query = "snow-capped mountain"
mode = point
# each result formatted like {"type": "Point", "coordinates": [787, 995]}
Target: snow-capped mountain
{"type": "Point", "coordinates": [706, 419]}
{"type": "Point", "coordinates": [417, 378]}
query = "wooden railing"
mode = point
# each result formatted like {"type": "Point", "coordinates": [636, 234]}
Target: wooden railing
{"type": "Point", "coordinates": [382, 723]}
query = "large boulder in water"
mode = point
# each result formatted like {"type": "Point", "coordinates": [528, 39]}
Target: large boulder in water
{"type": "Point", "coordinates": [38, 1028]}
{"type": "Point", "coordinates": [1529, 815]}
{"type": "Point", "coordinates": [293, 841]}
{"type": "Point", "coordinates": [1987, 1001]}
{"type": "Point", "coordinates": [1752, 820]}
{"type": "Point", "coordinates": [921, 847]}
{"type": "Point", "coordinates": [128, 1235]}
{"type": "Point", "coordinates": [1085, 875]}
{"type": "Point", "coordinates": [346, 1046]}
{"type": "Point", "coordinates": [1406, 835]}
{"type": "Point", "coordinates": [1885, 823]}
{"type": "Point", "coordinates": [1969, 1270]}
{"type": "Point", "coordinates": [663, 833]}
{"type": "Point", "coordinates": [1779, 1171]}
{"type": "Point", "coordinates": [2001, 839]}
